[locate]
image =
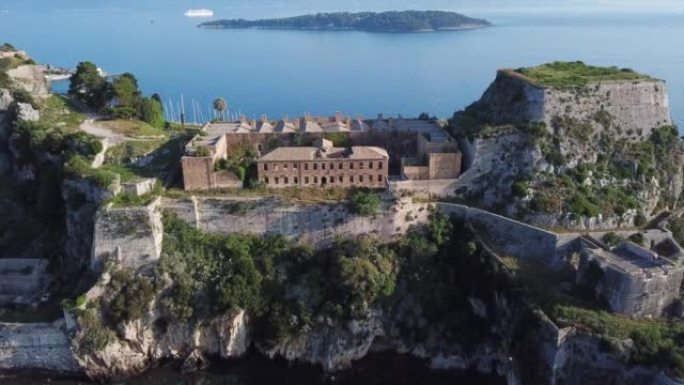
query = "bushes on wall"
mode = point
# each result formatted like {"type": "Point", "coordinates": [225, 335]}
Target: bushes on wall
{"type": "Point", "coordinates": [364, 202]}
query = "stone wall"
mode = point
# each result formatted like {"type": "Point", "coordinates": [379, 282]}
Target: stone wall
{"type": "Point", "coordinates": [634, 106]}
{"type": "Point", "coordinates": [316, 224]}
{"type": "Point", "coordinates": [198, 173]}
{"type": "Point", "coordinates": [132, 236]}
{"type": "Point", "coordinates": [444, 165]}
{"type": "Point", "coordinates": [320, 224]}
{"type": "Point", "coordinates": [40, 346]}
{"type": "Point", "coordinates": [638, 292]}
{"type": "Point", "coordinates": [507, 236]}
{"type": "Point", "coordinates": [442, 188]}
{"type": "Point", "coordinates": [21, 276]}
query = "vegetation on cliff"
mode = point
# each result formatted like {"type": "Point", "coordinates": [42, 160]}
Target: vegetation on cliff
{"type": "Point", "coordinates": [575, 74]}
{"type": "Point", "coordinates": [290, 289]}
{"type": "Point", "coordinates": [395, 21]}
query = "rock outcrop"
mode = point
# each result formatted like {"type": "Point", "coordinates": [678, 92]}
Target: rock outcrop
{"type": "Point", "coordinates": [144, 343]}
{"type": "Point", "coordinates": [598, 155]}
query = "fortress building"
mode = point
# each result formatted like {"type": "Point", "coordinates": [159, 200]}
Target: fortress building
{"type": "Point", "coordinates": [324, 165]}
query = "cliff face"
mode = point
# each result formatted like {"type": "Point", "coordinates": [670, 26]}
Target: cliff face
{"type": "Point", "coordinates": [597, 155]}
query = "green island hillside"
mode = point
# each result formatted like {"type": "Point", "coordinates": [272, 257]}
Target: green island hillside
{"type": "Point", "coordinates": [396, 21]}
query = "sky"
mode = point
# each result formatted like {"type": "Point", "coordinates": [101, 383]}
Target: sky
{"type": "Point", "coordinates": [272, 8]}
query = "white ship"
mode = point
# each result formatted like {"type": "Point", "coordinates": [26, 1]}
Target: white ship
{"type": "Point", "coordinates": [199, 13]}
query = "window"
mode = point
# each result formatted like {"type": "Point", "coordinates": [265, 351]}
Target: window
{"type": "Point", "coordinates": [370, 165]}
{"type": "Point", "coordinates": [379, 178]}
{"type": "Point", "coordinates": [361, 178]}
{"type": "Point", "coordinates": [315, 166]}
{"type": "Point", "coordinates": [351, 178]}
{"type": "Point", "coordinates": [323, 166]}
{"type": "Point", "coordinates": [296, 180]}
{"type": "Point", "coordinates": [380, 165]}
{"type": "Point", "coordinates": [315, 180]}
{"type": "Point", "coordinates": [295, 166]}
{"type": "Point", "coordinates": [351, 165]}
{"type": "Point", "coordinates": [266, 167]}
{"type": "Point", "coordinates": [285, 166]}
{"type": "Point", "coordinates": [340, 166]}
{"type": "Point", "coordinates": [306, 180]}
{"type": "Point", "coordinates": [266, 180]}
{"type": "Point", "coordinates": [276, 180]}
{"type": "Point", "coordinates": [340, 178]}
{"type": "Point", "coordinates": [332, 180]}
{"type": "Point", "coordinates": [287, 181]}
{"type": "Point", "coordinates": [306, 166]}
{"type": "Point", "coordinates": [360, 165]}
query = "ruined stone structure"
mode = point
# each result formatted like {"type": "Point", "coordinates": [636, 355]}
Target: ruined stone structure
{"type": "Point", "coordinates": [631, 279]}
{"type": "Point", "coordinates": [324, 165]}
{"type": "Point", "coordinates": [437, 158]}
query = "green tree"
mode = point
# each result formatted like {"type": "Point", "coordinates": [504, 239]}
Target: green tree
{"type": "Point", "coordinates": [88, 86]}
{"type": "Point", "coordinates": [125, 91]}
{"type": "Point", "coordinates": [152, 112]}
{"type": "Point", "coordinates": [220, 105]}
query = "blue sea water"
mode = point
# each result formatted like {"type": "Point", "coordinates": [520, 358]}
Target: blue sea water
{"type": "Point", "coordinates": [293, 72]}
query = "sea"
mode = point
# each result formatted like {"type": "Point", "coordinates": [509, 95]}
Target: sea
{"type": "Point", "coordinates": [281, 72]}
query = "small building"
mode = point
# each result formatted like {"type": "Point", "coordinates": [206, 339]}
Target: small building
{"type": "Point", "coordinates": [324, 165]}
{"type": "Point", "coordinates": [630, 279]}
{"type": "Point", "coordinates": [437, 158]}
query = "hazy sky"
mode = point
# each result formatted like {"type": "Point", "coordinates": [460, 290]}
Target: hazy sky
{"type": "Point", "coordinates": [248, 8]}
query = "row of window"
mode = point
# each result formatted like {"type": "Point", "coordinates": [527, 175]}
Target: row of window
{"type": "Point", "coordinates": [324, 180]}
{"type": "Point", "coordinates": [322, 166]}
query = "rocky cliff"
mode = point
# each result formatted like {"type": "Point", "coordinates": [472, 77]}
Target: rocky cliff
{"type": "Point", "coordinates": [595, 154]}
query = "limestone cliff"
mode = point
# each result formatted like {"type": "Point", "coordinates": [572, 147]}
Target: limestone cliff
{"type": "Point", "coordinates": [598, 154]}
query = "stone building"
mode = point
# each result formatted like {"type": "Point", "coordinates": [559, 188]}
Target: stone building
{"type": "Point", "coordinates": [437, 157]}
{"type": "Point", "coordinates": [395, 136]}
{"type": "Point", "coordinates": [324, 165]}
{"type": "Point", "coordinates": [630, 279]}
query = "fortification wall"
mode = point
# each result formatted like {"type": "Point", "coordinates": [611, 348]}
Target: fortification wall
{"type": "Point", "coordinates": [637, 293]}
{"type": "Point", "coordinates": [442, 188]}
{"type": "Point", "coordinates": [321, 223]}
{"type": "Point", "coordinates": [315, 224]}
{"type": "Point", "coordinates": [508, 236]}
{"type": "Point", "coordinates": [131, 236]}
{"type": "Point", "coordinates": [633, 108]}
{"type": "Point", "coordinates": [40, 346]}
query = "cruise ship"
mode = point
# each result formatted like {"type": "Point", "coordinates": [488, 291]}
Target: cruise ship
{"type": "Point", "coordinates": [199, 13]}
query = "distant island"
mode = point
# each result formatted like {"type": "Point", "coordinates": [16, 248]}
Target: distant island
{"type": "Point", "coordinates": [395, 21]}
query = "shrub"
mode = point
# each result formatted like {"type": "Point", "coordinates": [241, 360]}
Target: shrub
{"type": "Point", "coordinates": [611, 239]}
{"type": "Point", "coordinates": [364, 203]}
{"type": "Point", "coordinates": [637, 238]}
{"type": "Point", "coordinates": [640, 219]}
{"type": "Point", "coordinates": [520, 187]}
{"type": "Point", "coordinates": [94, 335]}
{"type": "Point", "coordinates": [132, 298]}
{"type": "Point", "coordinates": [580, 205]}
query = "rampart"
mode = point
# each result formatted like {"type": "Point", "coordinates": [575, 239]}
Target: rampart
{"type": "Point", "coordinates": [321, 223]}
{"type": "Point", "coordinates": [130, 236]}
